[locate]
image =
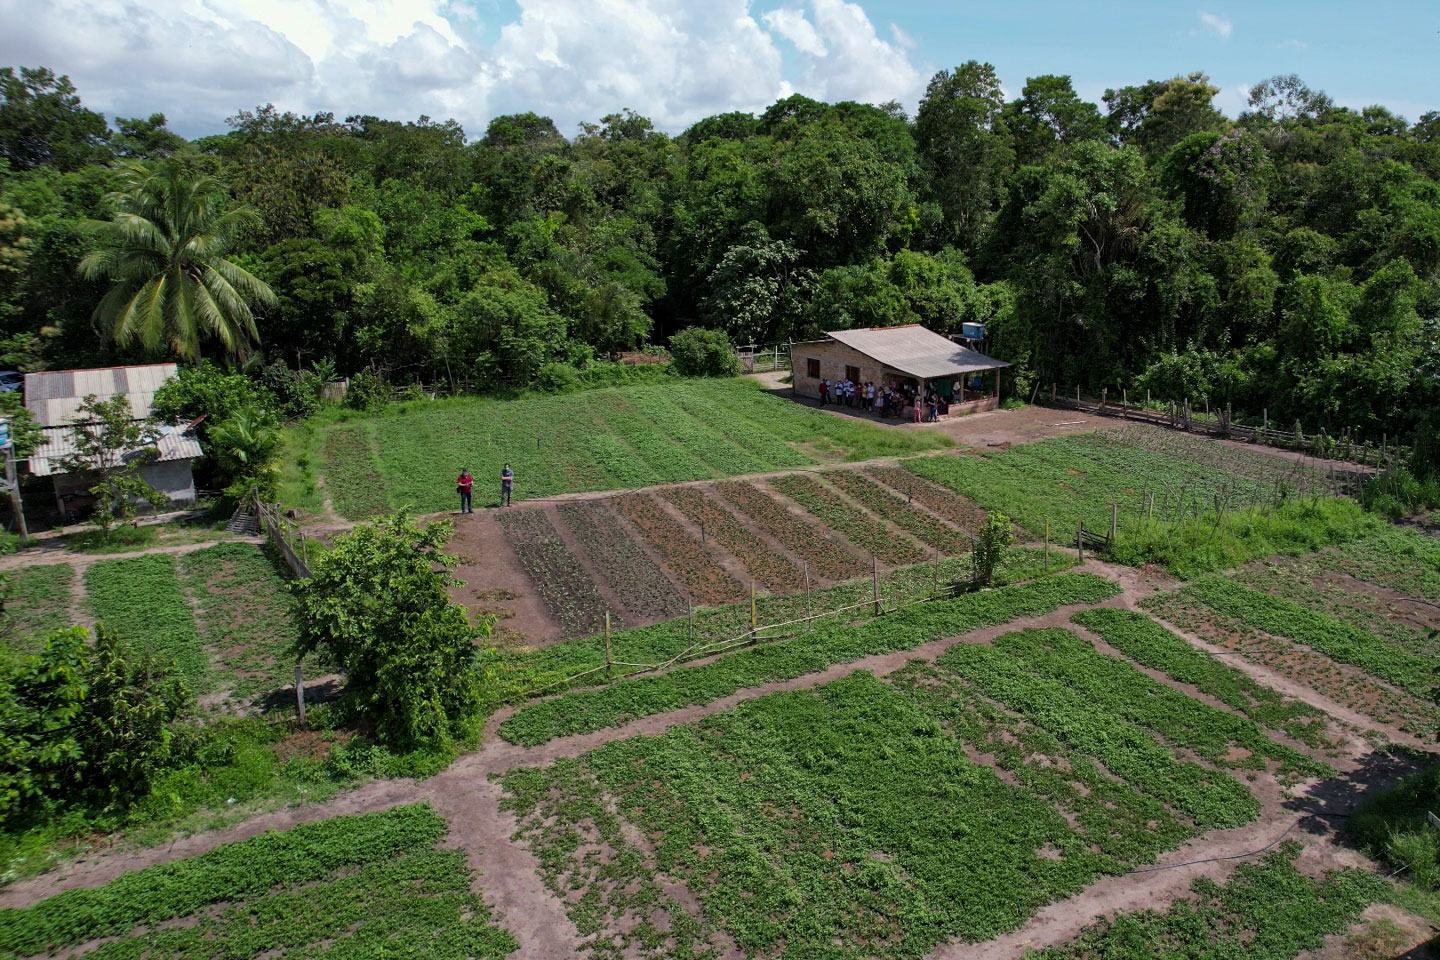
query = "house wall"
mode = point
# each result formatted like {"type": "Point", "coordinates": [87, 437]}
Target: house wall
{"type": "Point", "coordinates": [173, 478]}
{"type": "Point", "coordinates": [834, 357]}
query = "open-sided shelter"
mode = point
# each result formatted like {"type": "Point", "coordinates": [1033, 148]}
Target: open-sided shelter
{"type": "Point", "coordinates": [966, 379]}
{"type": "Point", "coordinates": [54, 397]}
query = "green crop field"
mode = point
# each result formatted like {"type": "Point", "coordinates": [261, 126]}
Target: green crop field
{"type": "Point", "coordinates": [609, 439]}
{"type": "Point", "coordinates": [142, 600]}
{"type": "Point", "coordinates": [37, 601]}
{"type": "Point", "coordinates": [371, 886]}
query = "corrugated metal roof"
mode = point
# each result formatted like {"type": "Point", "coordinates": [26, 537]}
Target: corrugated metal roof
{"type": "Point", "coordinates": [174, 443]}
{"type": "Point", "coordinates": [55, 395]}
{"type": "Point", "coordinates": [916, 351]}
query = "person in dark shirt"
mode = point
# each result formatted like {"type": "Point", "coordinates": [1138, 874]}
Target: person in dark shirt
{"type": "Point", "coordinates": [507, 484]}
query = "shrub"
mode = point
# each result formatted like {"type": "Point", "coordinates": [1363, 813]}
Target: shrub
{"type": "Point", "coordinates": [296, 391]}
{"type": "Point", "coordinates": [208, 391]}
{"type": "Point", "coordinates": [367, 391]}
{"type": "Point", "coordinates": [697, 352]}
{"type": "Point", "coordinates": [995, 535]}
{"type": "Point", "coordinates": [1398, 493]}
{"type": "Point", "coordinates": [557, 378]}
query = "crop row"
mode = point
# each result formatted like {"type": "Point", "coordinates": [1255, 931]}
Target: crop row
{"type": "Point", "coordinates": [1151, 645]}
{"type": "Point", "coordinates": [669, 461]}
{"type": "Point", "coordinates": [876, 498]}
{"type": "Point", "coordinates": [764, 564]}
{"type": "Point", "coordinates": [1116, 687]}
{"type": "Point", "coordinates": [588, 710]}
{"type": "Point", "coordinates": [247, 617]}
{"type": "Point", "coordinates": [351, 480]}
{"type": "Point", "coordinates": [234, 873]}
{"type": "Point", "coordinates": [843, 822]}
{"type": "Point", "coordinates": [1121, 821]}
{"type": "Point", "coordinates": [141, 599]}
{"type": "Point", "coordinates": [643, 589]}
{"type": "Point", "coordinates": [36, 601]}
{"type": "Point", "coordinates": [696, 436]}
{"type": "Point", "coordinates": [810, 542]}
{"type": "Point", "coordinates": [965, 514]}
{"type": "Point", "coordinates": [582, 845]}
{"type": "Point", "coordinates": [1266, 911]}
{"type": "Point", "coordinates": [1319, 631]}
{"type": "Point", "coordinates": [704, 579]}
{"type": "Point", "coordinates": [1394, 557]}
{"type": "Point", "coordinates": [759, 441]}
{"type": "Point", "coordinates": [858, 526]}
{"type": "Point", "coordinates": [1343, 684]}
{"type": "Point", "coordinates": [565, 588]}
{"type": "Point", "coordinates": [1209, 798]}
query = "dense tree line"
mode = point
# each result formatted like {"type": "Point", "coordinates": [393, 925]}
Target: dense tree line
{"type": "Point", "coordinates": [1288, 260]}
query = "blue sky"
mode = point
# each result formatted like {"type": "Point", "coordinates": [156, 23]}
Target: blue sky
{"type": "Point", "coordinates": [199, 61]}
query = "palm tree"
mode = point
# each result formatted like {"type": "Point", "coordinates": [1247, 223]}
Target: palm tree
{"type": "Point", "coordinates": [165, 250]}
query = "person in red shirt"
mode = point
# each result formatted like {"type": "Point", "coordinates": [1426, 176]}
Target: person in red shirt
{"type": "Point", "coordinates": [463, 486]}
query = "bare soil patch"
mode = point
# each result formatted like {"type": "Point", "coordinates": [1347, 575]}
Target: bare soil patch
{"type": "Point", "coordinates": [494, 582]}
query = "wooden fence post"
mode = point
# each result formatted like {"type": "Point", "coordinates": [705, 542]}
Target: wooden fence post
{"type": "Point", "coordinates": [754, 632]}
{"type": "Point", "coordinates": [1079, 541]}
{"type": "Point", "coordinates": [300, 696]}
{"type": "Point", "coordinates": [607, 644]}
{"type": "Point", "coordinates": [935, 579]}
{"type": "Point", "coordinates": [1114, 522]}
{"type": "Point", "coordinates": [875, 581]}
{"type": "Point", "coordinates": [1047, 544]}
{"type": "Point", "coordinates": [1124, 401]}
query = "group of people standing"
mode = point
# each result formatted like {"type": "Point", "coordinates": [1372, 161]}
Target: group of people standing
{"type": "Point", "coordinates": [888, 401]}
{"type": "Point", "coordinates": [465, 486]}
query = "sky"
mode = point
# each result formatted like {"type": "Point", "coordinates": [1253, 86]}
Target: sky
{"type": "Point", "coordinates": [676, 61]}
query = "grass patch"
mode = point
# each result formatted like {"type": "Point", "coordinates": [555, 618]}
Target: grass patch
{"type": "Point", "coordinates": [368, 886]}
{"type": "Point", "coordinates": [141, 599]}
{"type": "Point", "coordinates": [590, 710]}
{"type": "Point", "coordinates": [36, 602]}
{"type": "Point", "coordinates": [602, 439]}
{"type": "Point", "coordinates": [248, 616]}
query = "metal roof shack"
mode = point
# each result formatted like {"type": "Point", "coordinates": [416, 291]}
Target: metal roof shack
{"type": "Point", "coordinates": [917, 352]}
{"type": "Point", "coordinates": [55, 395]}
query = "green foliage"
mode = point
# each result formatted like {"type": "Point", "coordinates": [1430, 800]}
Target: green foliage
{"type": "Point", "coordinates": [164, 253]}
{"type": "Point", "coordinates": [246, 448]}
{"type": "Point", "coordinates": [376, 605]}
{"type": "Point", "coordinates": [1391, 825]}
{"type": "Point", "coordinates": [1267, 911]}
{"type": "Point", "coordinates": [33, 602]}
{"type": "Point", "coordinates": [587, 711]}
{"type": "Point", "coordinates": [141, 599]}
{"type": "Point", "coordinates": [703, 353]}
{"type": "Point", "coordinates": [367, 391]}
{"type": "Point", "coordinates": [206, 390]}
{"type": "Point", "coordinates": [113, 447]}
{"type": "Point", "coordinates": [367, 884]}
{"type": "Point", "coordinates": [995, 535]}
{"type": "Point", "coordinates": [84, 722]}
{"type": "Point", "coordinates": [42, 121]}
{"type": "Point", "coordinates": [297, 392]}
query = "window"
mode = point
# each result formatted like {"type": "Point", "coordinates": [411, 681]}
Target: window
{"type": "Point", "coordinates": [812, 368]}
{"type": "Point", "coordinates": [852, 374]}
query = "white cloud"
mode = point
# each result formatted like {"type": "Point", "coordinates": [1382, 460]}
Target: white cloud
{"type": "Point", "coordinates": [676, 61]}
{"type": "Point", "coordinates": [1294, 44]}
{"type": "Point", "coordinates": [1216, 25]}
{"type": "Point", "coordinates": [791, 24]}
{"type": "Point", "coordinates": [902, 38]}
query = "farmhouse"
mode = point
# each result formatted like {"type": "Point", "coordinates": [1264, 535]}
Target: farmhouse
{"type": "Point", "coordinates": [54, 398]}
{"type": "Point", "coordinates": [965, 379]}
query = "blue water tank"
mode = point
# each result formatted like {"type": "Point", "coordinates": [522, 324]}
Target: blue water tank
{"type": "Point", "coordinates": [972, 331]}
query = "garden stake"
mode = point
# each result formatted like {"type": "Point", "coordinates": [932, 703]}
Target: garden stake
{"type": "Point", "coordinates": [300, 696]}
{"type": "Point", "coordinates": [607, 644]}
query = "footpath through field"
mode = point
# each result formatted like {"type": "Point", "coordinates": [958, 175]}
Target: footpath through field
{"type": "Point", "coordinates": [468, 796]}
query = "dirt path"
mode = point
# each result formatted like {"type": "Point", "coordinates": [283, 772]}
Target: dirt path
{"type": "Point", "coordinates": [493, 577]}
{"type": "Point", "coordinates": [44, 556]}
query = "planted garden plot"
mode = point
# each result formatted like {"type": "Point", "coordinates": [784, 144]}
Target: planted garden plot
{"type": "Point", "coordinates": [878, 499]}
{"type": "Point", "coordinates": [668, 461]}
{"type": "Point", "coordinates": [1151, 645]}
{"type": "Point", "coordinates": [965, 514]}
{"type": "Point", "coordinates": [141, 599]}
{"type": "Point", "coordinates": [564, 586]}
{"type": "Point", "coordinates": [830, 642]}
{"type": "Point", "coordinates": [1347, 686]}
{"type": "Point", "coordinates": [37, 601]}
{"type": "Point", "coordinates": [824, 555]}
{"type": "Point", "coordinates": [775, 570]}
{"type": "Point", "coordinates": [704, 579]}
{"type": "Point", "coordinates": [870, 535]}
{"type": "Point", "coordinates": [861, 818]}
{"type": "Point", "coordinates": [1266, 911]}
{"type": "Point", "coordinates": [366, 887]}
{"type": "Point", "coordinates": [351, 481]}
{"type": "Point", "coordinates": [763, 445]}
{"type": "Point", "coordinates": [644, 590]}
{"type": "Point", "coordinates": [248, 618]}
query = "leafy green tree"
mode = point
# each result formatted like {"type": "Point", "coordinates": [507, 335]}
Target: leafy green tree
{"type": "Point", "coordinates": [1285, 97]}
{"type": "Point", "coordinates": [85, 723]}
{"type": "Point", "coordinates": [758, 288]}
{"type": "Point", "coordinates": [1157, 115]}
{"type": "Point", "coordinates": [378, 606]}
{"type": "Point", "coordinates": [1048, 116]}
{"type": "Point", "coordinates": [698, 352]}
{"type": "Point", "coordinates": [994, 536]}
{"type": "Point", "coordinates": [165, 255]}
{"type": "Point", "coordinates": [964, 146]}
{"type": "Point", "coordinates": [144, 138]}
{"type": "Point", "coordinates": [42, 122]}
{"type": "Point", "coordinates": [246, 447]}
{"type": "Point", "coordinates": [113, 447]}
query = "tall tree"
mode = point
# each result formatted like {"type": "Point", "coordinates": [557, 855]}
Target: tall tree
{"type": "Point", "coordinates": [42, 122]}
{"type": "Point", "coordinates": [165, 253]}
{"type": "Point", "coordinates": [964, 146]}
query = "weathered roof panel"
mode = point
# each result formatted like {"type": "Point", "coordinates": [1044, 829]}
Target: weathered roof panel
{"type": "Point", "coordinates": [55, 395]}
{"type": "Point", "coordinates": [58, 443]}
{"type": "Point", "coordinates": [916, 351]}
